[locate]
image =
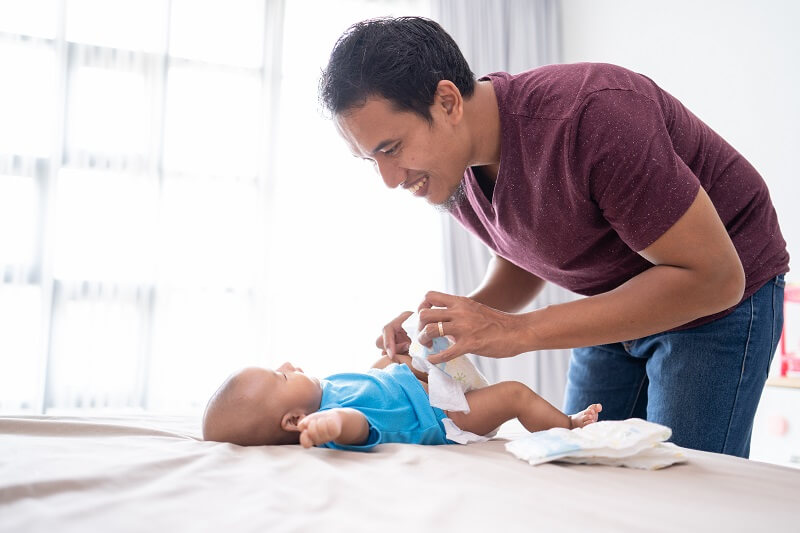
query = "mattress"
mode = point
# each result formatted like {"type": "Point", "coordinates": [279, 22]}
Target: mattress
{"type": "Point", "coordinates": [154, 473]}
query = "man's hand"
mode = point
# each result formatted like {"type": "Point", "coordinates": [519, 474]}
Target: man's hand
{"type": "Point", "coordinates": [475, 328]}
{"type": "Point", "coordinates": [394, 339]}
{"type": "Point", "coordinates": [320, 427]}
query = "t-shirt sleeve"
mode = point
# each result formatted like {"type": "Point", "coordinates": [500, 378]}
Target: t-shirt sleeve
{"type": "Point", "coordinates": [624, 157]}
{"type": "Point", "coordinates": [374, 437]}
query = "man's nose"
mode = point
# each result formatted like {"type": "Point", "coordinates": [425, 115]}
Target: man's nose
{"type": "Point", "coordinates": [390, 172]}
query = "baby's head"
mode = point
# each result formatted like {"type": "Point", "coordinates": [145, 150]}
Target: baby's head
{"type": "Point", "coordinates": [258, 406]}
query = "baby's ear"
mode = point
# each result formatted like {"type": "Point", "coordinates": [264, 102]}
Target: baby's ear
{"type": "Point", "coordinates": [291, 419]}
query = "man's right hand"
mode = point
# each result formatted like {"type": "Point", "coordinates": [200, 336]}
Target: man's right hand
{"type": "Point", "coordinates": [394, 340]}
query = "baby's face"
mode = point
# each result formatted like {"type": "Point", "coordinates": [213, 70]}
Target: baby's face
{"type": "Point", "coordinates": [290, 388]}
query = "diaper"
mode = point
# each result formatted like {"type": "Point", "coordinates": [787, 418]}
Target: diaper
{"type": "Point", "coordinates": [634, 443]}
{"type": "Point", "coordinates": [447, 382]}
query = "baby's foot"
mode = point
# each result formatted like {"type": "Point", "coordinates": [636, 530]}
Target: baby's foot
{"type": "Point", "coordinates": [585, 417]}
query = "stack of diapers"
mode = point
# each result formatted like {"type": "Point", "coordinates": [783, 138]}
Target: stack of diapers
{"type": "Point", "coordinates": [447, 382]}
{"type": "Point", "coordinates": [634, 443]}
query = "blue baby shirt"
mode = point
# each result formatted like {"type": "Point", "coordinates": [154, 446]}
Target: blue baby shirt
{"type": "Point", "coordinates": [394, 402]}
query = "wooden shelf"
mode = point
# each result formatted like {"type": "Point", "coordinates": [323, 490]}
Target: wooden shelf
{"type": "Point", "coordinates": [777, 381]}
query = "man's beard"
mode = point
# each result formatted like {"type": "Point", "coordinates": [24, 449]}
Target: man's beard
{"type": "Point", "coordinates": [456, 198]}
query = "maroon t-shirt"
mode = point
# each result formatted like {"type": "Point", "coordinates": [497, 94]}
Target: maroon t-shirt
{"type": "Point", "coordinates": [596, 163]}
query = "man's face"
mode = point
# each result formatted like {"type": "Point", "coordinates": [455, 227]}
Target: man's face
{"type": "Point", "coordinates": [428, 160]}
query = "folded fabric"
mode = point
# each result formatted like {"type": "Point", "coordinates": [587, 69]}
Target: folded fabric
{"type": "Point", "coordinates": [447, 382]}
{"type": "Point", "coordinates": [634, 443]}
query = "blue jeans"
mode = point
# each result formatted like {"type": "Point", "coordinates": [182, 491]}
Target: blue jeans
{"type": "Point", "coordinates": [704, 383]}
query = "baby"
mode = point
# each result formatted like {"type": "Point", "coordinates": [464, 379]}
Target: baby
{"type": "Point", "coordinates": [357, 411]}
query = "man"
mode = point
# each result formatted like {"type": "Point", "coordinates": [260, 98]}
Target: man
{"type": "Point", "coordinates": [592, 177]}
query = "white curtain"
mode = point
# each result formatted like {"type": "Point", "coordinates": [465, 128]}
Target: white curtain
{"type": "Point", "coordinates": [511, 36]}
{"type": "Point", "coordinates": [134, 197]}
{"type": "Point", "coordinates": [173, 206]}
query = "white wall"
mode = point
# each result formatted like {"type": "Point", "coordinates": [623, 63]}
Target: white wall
{"type": "Point", "coordinates": [734, 63]}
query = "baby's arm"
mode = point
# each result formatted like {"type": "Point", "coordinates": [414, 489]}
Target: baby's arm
{"type": "Point", "coordinates": [342, 425]}
{"type": "Point", "coordinates": [498, 403]}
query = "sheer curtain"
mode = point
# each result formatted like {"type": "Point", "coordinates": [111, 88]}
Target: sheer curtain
{"type": "Point", "coordinates": [511, 36]}
{"type": "Point", "coordinates": [173, 206]}
{"type": "Point", "coordinates": [349, 254]}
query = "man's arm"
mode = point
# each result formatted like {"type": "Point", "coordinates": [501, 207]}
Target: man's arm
{"type": "Point", "coordinates": [696, 273]}
{"type": "Point", "coordinates": [343, 426]}
{"type": "Point", "coordinates": [507, 287]}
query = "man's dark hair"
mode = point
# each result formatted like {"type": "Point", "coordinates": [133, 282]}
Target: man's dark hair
{"type": "Point", "coordinates": [400, 59]}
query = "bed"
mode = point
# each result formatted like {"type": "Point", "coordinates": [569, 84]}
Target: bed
{"type": "Point", "coordinates": [153, 473]}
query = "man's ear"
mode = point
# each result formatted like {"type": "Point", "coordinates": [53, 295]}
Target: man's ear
{"type": "Point", "coordinates": [291, 419]}
{"type": "Point", "coordinates": [448, 99]}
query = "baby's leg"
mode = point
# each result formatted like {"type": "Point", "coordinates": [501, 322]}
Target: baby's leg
{"type": "Point", "coordinates": [384, 361]}
{"type": "Point", "coordinates": [498, 403]}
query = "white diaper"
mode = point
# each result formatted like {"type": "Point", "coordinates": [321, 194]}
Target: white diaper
{"type": "Point", "coordinates": [634, 443]}
{"type": "Point", "coordinates": [447, 382]}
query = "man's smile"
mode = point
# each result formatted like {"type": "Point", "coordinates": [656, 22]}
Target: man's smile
{"type": "Point", "coordinates": [418, 187]}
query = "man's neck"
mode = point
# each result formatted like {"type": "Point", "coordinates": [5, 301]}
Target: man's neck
{"type": "Point", "coordinates": [483, 118]}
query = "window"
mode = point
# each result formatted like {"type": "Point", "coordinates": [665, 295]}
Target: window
{"type": "Point", "coordinates": [173, 205]}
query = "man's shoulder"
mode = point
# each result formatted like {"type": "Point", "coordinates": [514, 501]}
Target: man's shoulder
{"type": "Point", "coordinates": [557, 91]}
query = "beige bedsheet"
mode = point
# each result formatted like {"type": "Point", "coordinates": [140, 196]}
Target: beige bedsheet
{"type": "Point", "coordinates": [152, 473]}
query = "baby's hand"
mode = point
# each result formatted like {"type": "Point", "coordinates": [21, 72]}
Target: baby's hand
{"type": "Point", "coordinates": [319, 428]}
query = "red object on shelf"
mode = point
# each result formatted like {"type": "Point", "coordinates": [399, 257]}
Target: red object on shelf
{"type": "Point", "coordinates": [778, 425]}
{"type": "Point", "coordinates": [790, 338]}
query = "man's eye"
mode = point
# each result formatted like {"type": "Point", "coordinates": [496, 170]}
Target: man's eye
{"type": "Point", "coordinates": [392, 150]}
